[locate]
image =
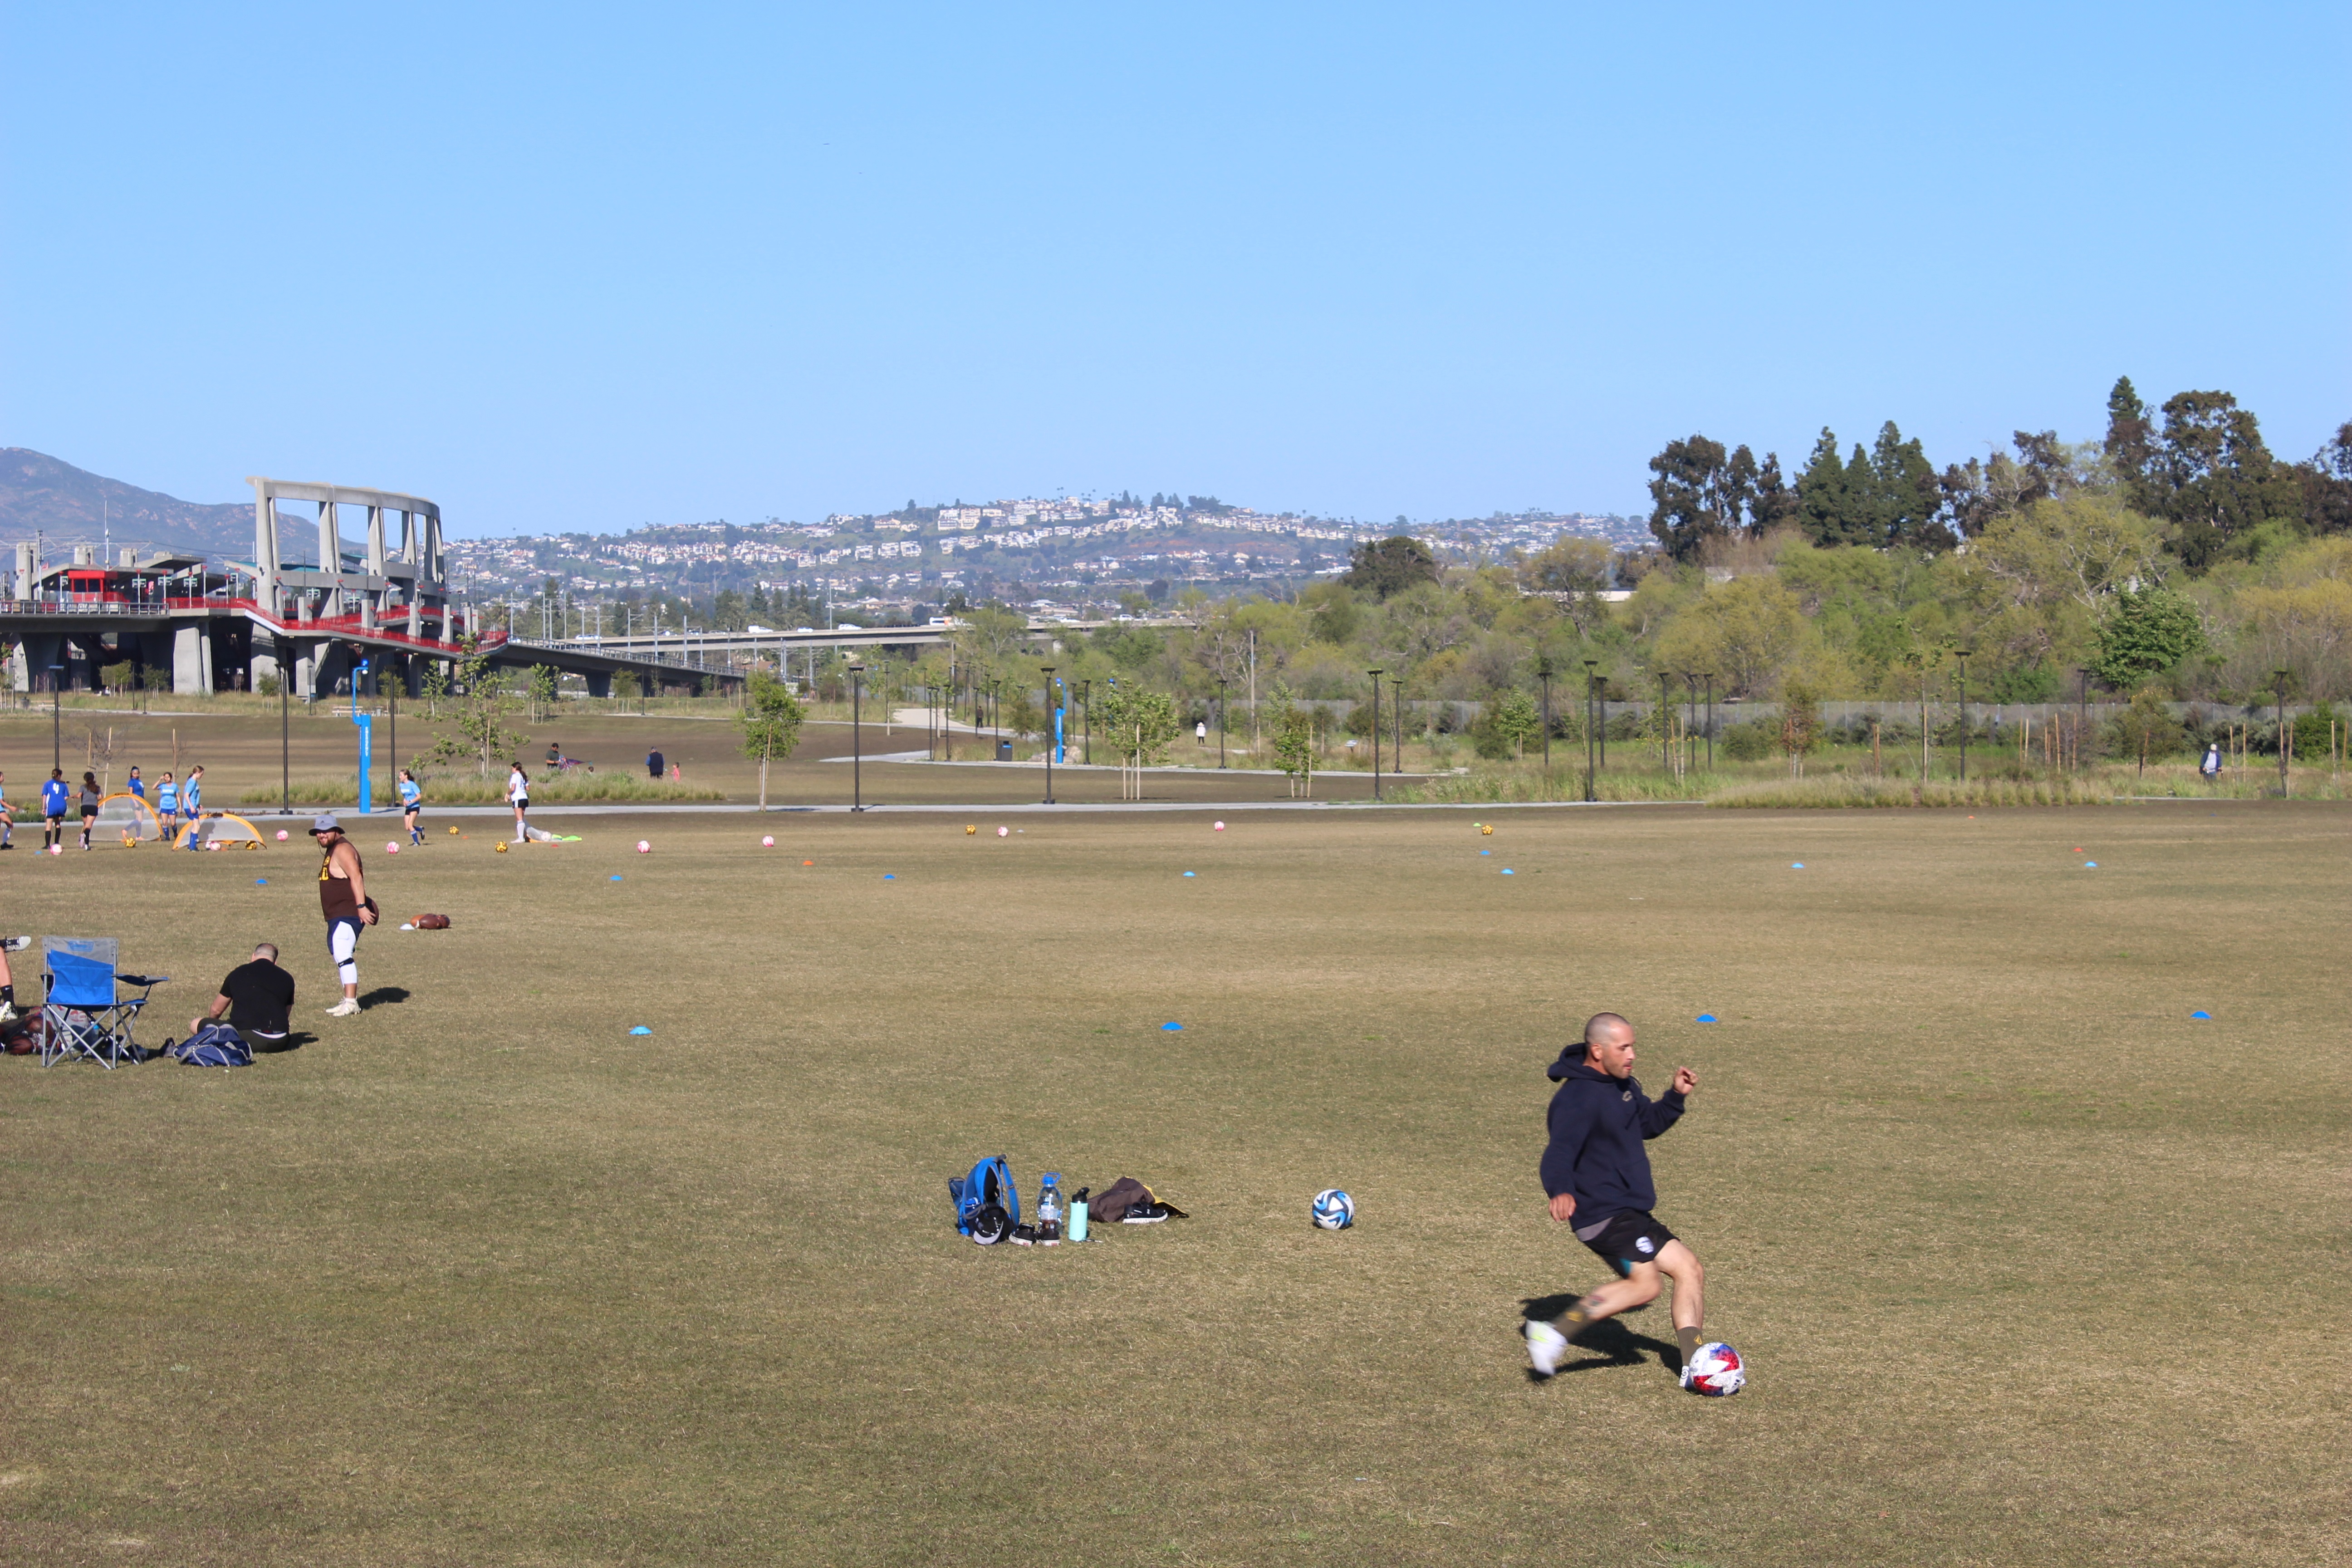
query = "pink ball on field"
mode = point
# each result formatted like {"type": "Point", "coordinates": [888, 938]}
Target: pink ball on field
{"type": "Point", "coordinates": [281, 835]}
{"type": "Point", "coordinates": [644, 847]}
{"type": "Point", "coordinates": [391, 846]}
{"type": "Point", "coordinates": [1220, 827]}
{"type": "Point", "coordinates": [1002, 831]}
{"type": "Point", "coordinates": [57, 848]}
{"type": "Point", "coordinates": [768, 843]}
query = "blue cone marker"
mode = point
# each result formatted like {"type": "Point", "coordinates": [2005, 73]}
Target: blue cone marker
{"type": "Point", "coordinates": [641, 1029]}
{"type": "Point", "coordinates": [2200, 1012]}
{"type": "Point", "coordinates": [1486, 851]}
{"type": "Point", "coordinates": [1706, 1017]}
{"type": "Point", "coordinates": [1796, 864]}
{"type": "Point", "coordinates": [1172, 1026]}
{"type": "Point", "coordinates": [2090, 864]}
{"type": "Point", "coordinates": [1188, 873]}
{"type": "Point", "coordinates": [1507, 871]}
{"type": "Point", "coordinates": [616, 879]}
{"type": "Point", "coordinates": [261, 881]}
{"type": "Point", "coordinates": [889, 877]}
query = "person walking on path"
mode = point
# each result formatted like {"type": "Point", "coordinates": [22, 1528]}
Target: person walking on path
{"type": "Point", "coordinates": [1597, 1175]}
{"type": "Point", "coordinates": [412, 803]}
{"type": "Point", "coordinates": [56, 796]}
{"type": "Point", "coordinates": [344, 902]}
{"type": "Point", "coordinates": [90, 795]}
{"type": "Point", "coordinates": [192, 802]}
{"type": "Point", "coordinates": [519, 797]}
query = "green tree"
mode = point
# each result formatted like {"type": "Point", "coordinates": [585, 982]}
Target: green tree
{"type": "Point", "coordinates": [1292, 729]}
{"type": "Point", "coordinates": [1140, 723]}
{"type": "Point", "coordinates": [479, 706]}
{"type": "Point", "coordinates": [1800, 725]}
{"type": "Point", "coordinates": [1384, 566]}
{"type": "Point", "coordinates": [771, 722]}
{"type": "Point", "coordinates": [1517, 721]}
{"type": "Point", "coordinates": [2147, 728]}
{"type": "Point", "coordinates": [1694, 499]}
{"type": "Point", "coordinates": [1825, 510]}
{"type": "Point", "coordinates": [2144, 632]}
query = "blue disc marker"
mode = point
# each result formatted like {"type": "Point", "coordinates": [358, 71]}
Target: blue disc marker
{"type": "Point", "coordinates": [1188, 873]}
{"type": "Point", "coordinates": [1172, 1026]}
{"type": "Point", "coordinates": [616, 879]}
{"type": "Point", "coordinates": [261, 881]}
{"type": "Point", "coordinates": [1507, 871]}
{"type": "Point", "coordinates": [2200, 1012]}
{"type": "Point", "coordinates": [1796, 864]}
{"type": "Point", "coordinates": [641, 1029]}
{"type": "Point", "coordinates": [1706, 1017]}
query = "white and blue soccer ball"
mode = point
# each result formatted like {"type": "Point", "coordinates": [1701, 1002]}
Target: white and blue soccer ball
{"type": "Point", "coordinates": [1716, 1370]}
{"type": "Point", "coordinates": [1333, 1210]}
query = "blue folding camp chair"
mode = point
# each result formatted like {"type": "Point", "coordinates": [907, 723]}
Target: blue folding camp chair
{"type": "Point", "coordinates": [83, 1012]}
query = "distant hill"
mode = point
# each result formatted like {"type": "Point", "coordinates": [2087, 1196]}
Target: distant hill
{"type": "Point", "coordinates": [71, 506]}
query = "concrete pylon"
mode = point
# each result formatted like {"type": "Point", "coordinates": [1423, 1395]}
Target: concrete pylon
{"type": "Point", "coordinates": [191, 660]}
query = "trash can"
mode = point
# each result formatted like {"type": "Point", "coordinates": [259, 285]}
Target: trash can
{"type": "Point", "coordinates": [1003, 751]}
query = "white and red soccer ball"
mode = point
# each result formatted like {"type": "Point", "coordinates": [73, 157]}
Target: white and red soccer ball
{"type": "Point", "coordinates": [1714, 1370]}
{"type": "Point", "coordinates": [769, 842]}
{"type": "Point", "coordinates": [644, 847]}
{"type": "Point", "coordinates": [391, 846]}
{"type": "Point", "coordinates": [281, 835]}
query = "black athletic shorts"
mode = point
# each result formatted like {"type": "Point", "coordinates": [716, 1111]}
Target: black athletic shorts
{"type": "Point", "coordinates": [1629, 1238]}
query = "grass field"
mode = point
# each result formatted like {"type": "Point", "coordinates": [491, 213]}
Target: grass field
{"type": "Point", "coordinates": [2029, 1267]}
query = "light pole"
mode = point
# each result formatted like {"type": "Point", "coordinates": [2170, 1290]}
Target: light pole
{"type": "Point", "coordinates": [2278, 692]}
{"type": "Point", "coordinates": [1543, 673]}
{"type": "Point", "coordinates": [1590, 683]}
{"type": "Point", "coordinates": [857, 737]}
{"type": "Point", "coordinates": [1690, 718]}
{"type": "Point", "coordinates": [1375, 675]}
{"type": "Point", "coordinates": [1396, 704]}
{"type": "Point", "coordinates": [1709, 676]}
{"type": "Point", "coordinates": [1962, 654]}
{"type": "Point", "coordinates": [1221, 721]}
{"type": "Point", "coordinates": [56, 720]}
{"type": "Point", "coordinates": [1086, 717]}
{"type": "Point", "coordinates": [2081, 711]}
{"type": "Point", "coordinates": [1055, 714]}
{"type": "Point", "coordinates": [1665, 736]}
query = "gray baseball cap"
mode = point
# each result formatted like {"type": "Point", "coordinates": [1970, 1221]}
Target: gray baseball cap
{"type": "Point", "coordinates": [324, 824]}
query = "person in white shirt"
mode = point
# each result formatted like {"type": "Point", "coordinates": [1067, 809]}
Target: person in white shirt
{"type": "Point", "coordinates": [519, 797]}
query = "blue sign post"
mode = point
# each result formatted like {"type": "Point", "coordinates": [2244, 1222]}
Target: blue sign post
{"type": "Point", "coordinates": [367, 737]}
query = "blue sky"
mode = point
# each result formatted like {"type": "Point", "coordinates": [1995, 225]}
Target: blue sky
{"type": "Point", "coordinates": [586, 267]}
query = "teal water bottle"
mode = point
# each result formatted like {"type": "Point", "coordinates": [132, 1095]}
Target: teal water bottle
{"type": "Point", "coordinates": [1078, 1215]}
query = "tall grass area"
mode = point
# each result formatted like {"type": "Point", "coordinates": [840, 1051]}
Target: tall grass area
{"type": "Point", "coordinates": [1853, 783]}
{"type": "Point", "coordinates": [465, 789]}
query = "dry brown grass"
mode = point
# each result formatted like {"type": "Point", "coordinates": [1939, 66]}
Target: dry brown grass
{"type": "Point", "coordinates": [2031, 1268]}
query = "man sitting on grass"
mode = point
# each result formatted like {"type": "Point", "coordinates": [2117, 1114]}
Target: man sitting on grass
{"type": "Point", "coordinates": [258, 997]}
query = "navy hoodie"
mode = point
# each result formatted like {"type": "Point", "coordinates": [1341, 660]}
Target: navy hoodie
{"type": "Point", "coordinates": [1598, 1126]}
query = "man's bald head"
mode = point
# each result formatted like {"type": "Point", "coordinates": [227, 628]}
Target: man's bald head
{"type": "Point", "coordinates": [1605, 1029]}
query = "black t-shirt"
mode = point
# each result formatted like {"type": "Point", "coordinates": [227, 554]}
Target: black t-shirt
{"type": "Point", "coordinates": [260, 995]}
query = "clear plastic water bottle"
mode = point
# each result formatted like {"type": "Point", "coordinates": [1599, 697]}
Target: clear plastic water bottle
{"type": "Point", "coordinates": [1049, 1207]}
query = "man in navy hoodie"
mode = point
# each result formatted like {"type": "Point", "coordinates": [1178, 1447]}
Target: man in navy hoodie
{"type": "Point", "coordinates": [1598, 1175]}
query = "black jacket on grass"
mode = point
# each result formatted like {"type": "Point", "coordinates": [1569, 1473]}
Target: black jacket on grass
{"type": "Point", "coordinates": [1598, 1126]}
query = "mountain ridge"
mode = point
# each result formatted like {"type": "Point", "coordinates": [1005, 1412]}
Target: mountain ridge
{"type": "Point", "coordinates": [69, 506]}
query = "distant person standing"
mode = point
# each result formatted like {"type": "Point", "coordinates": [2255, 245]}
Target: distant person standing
{"type": "Point", "coordinates": [343, 900]}
{"type": "Point", "coordinates": [554, 754]}
{"type": "Point", "coordinates": [655, 764]}
{"type": "Point", "coordinates": [167, 801]}
{"type": "Point", "coordinates": [2211, 766]}
{"type": "Point", "coordinates": [519, 797]}
{"type": "Point", "coordinates": [90, 796]}
{"type": "Point", "coordinates": [412, 803]}
{"type": "Point", "coordinates": [192, 802]}
{"type": "Point", "coordinates": [56, 796]}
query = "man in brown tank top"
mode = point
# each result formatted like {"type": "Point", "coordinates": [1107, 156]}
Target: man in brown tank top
{"type": "Point", "coordinates": [343, 900]}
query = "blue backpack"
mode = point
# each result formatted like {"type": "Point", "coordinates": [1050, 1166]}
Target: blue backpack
{"type": "Point", "coordinates": [212, 1046]}
{"type": "Point", "coordinates": [987, 1208]}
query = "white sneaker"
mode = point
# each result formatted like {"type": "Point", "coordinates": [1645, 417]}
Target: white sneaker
{"type": "Point", "coordinates": [348, 1007]}
{"type": "Point", "coordinates": [1546, 1346]}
